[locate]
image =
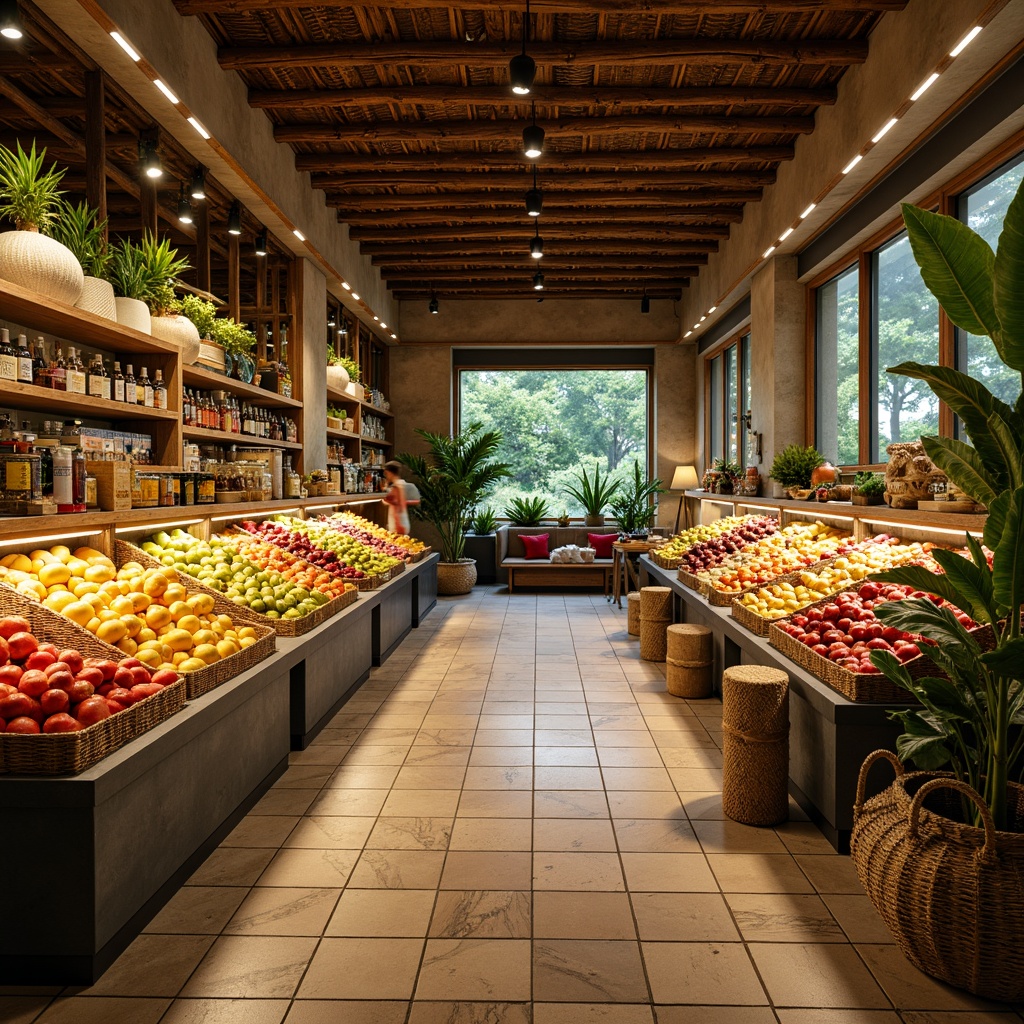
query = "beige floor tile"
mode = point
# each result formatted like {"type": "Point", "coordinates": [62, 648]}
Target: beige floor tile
{"type": "Point", "coordinates": [330, 832]}
{"type": "Point", "coordinates": [364, 776]}
{"type": "Point", "coordinates": [579, 720]}
{"type": "Point", "coordinates": [692, 757]}
{"type": "Point", "coordinates": [410, 834]}
{"type": "Point", "coordinates": [725, 836]}
{"type": "Point", "coordinates": [360, 968]}
{"type": "Point", "coordinates": [821, 975]}
{"type": "Point", "coordinates": [475, 969]}
{"type": "Point", "coordinates": [465, 869]}
{"type": "Point", "coordinates": [323, 869]}
{"type": "Point", "coordinates": [366, 755]}
{"type": "Point", "coordinates": [623, 738]}
{"type": "Point", "coordinates": [509, 721]}
{"type": "Point", "coordinates": [415, 803]}
{"type": "Point", "coordinates": [445, 738]}
{"type": "Point", "coordinates": [683, 917]}
{"type": "Point", "coordinates": [717, 1015]}
{"type": "Point", "coordinates": [704, 806]}
{"type": "Point", "coordinates": [629, 757]}
{"type": "Point", "coordinates": [655, 835]}
{"type": "Point", "coordinates": [583, 872]}
{"type": "Point", "coordinates": [592, 1013]}
{"type": "Point", "coordinates": [231, 866]}
{"type": "Point", "coordinates": [667, 872]}
{"type": "Point", "coordinates": [503, 738]}
{"type": "Point", "coordinates": [584, 757]}
{"type": "Point", "coordinates": [491, 834]}
{"type": "Point", "coordinates": [702, 973]}
{"type": "Point", "coordinates": [359, 802]}
{"type": "Point", "coordinates": [397, 869]}
{"type": "Point", "coordinates": [573, 835]}
{"type": "Point", "coordinates": [843, 1017]}
{"type": "Point", "coordinates": [563, 738]}
{"type": "Point", "coordinates": [495, 803]}
{"type": "Point", "coordinates": [509, 777]}
{"type": "Point", "coordinates": [430, 755]}
{"type": "Point", "coordinates": [560, 803]}
{"type": "Point", "coordinates": [481, 914]}
{"type": "Point", "coordinates": [96, 1010]}
{"type": "Point", "coordinates": [273, 911]}
{"type": "Point", "coordinates": [255, 830]}
{"type": "Point", "coordinates": [636, 779]}
{"type": "Point", "coordinates": [470, 1013]}
{"type": "Point", "coordinates": [755, 872]}
{"type": "Point", "coordinates": [831, 873]}
{"type": "Point", "coordinates": [383, 913]}
{"type": "Point", "coordinates": [633, 804]}
{"type": "Point", "coordinates": [289, 802]}
{"type": "Point", "coordinates": [688, 780]}
{"type": "Point", "coordinates": [576, 970]}
{"type": "Point", "coordinates": [153, 965]}
{"type": "Point", "coordinates": [198, 910]}
{"type": "Point", "coordinates": [431, 777]}
{"type": "Point", "coordinates": [226, 1011]}
{"type": "Point", "coordinates": [957, 1017]}
{"type": "Point", "coordinates": [857, 917]}
{"type": "Point", "coordinates": [565, 778]}
{"type": "Point", "coordinates": [582, 915]}
{"type": "Point", "coordinates": [774, 917]}
{"type": "Point", "coordinates": [803, 837]}
{"type": "Point", "coordinates": [252, 967]}
{"type": "Point", "coordinates": [487, 757]}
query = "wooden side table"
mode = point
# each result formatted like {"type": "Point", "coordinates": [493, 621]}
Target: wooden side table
{"type": "Point", "coordinates": [624, 570]}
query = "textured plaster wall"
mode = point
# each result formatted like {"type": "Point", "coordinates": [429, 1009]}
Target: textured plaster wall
{"type": "Point", "coordinates": [675, 434]}
{"type": "Point", "coordinates": [421, 392]}
{"type": "Point", "coordinates": [314, 371]}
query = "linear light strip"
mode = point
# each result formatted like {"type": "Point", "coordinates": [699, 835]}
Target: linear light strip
{"type": "Point", "coordinates": [156, 526]}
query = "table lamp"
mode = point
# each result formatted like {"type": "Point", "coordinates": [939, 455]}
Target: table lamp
{"type": "Point", "coordinates": [684, 479]}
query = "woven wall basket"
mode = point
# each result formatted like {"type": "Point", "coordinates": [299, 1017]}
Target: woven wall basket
{"type": "Point", "coordinates": [951, 894]}
{"type": "Point", "coordinates": [98, 297]}
{"type": "Point", "coordinates": [456, 577]}
{"type": "Point", "coordinates": [41, 264]}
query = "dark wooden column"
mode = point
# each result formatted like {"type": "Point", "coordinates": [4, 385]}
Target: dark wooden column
{"type": "Point", "coordinates": [96, 143]}
{"type": "Point", "coordinates": [147, 185]}
{"type": "Point", "coordinates": [234, 279]}
{"type": "Point", "coordinates": [201, 217]}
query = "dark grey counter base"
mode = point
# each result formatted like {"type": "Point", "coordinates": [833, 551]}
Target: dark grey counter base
{"type": "Point", "coordinates": [829, 736]}
{"type": "Point", "coordinates": [124, 835]}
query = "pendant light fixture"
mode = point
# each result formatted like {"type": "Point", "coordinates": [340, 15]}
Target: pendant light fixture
{"type": "Point", "coordinates": [534, 198]}
{"type": "Point", "coordinates": [522, 69]}
{"type": "Point", "coordinates": [645, 302]}
{"type": "Point", "coordinates": [149, 158]}
{"type": "Point", "coordinates": [434, 305]}
{"type": "Point", "coordinates": [198, 187]}
{"type": "Point", "coordinates": [184, 206]}
{"type": "Point", "coordinates": [260, 244]}
{"type": "Point", "coordinates": [538, 282]}
{"type": "Point", "coordinates": [235, 219]}
{"type": "Point", "coordinates": [10, 23]}
{"type": "Point", "coordinates": [533, 136]}
{"type": "Point", "coordinates": [536, 243]}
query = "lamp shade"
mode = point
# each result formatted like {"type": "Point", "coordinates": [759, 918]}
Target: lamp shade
{"type": "Point", "coordinates": [684, 479]}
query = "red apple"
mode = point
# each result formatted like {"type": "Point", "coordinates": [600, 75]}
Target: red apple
{"type": "Point", "coordinates": [21, 644]}
{"type": "Point", "coordinates": [12, 624]}
{"type": "Point", "coordinates": [72, 658]}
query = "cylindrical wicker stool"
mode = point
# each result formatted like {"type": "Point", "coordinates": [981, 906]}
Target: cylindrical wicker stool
{"type": "Point", "coordinates": [755, 726]}
{"type": "Point", "coordinates": [633, 613]}
{"type": "Point", "coordinates": [655, 618]}
{"type": "Point", "coordinates": [689, 660]}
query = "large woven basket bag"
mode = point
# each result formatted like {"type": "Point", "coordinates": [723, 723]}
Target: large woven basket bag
{"type": "Point", "coordinates": [952, 894]}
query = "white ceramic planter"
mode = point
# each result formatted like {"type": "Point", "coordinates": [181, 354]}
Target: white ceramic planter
{"type": "Point", "coordinates": [337, 378]}
{"type": "Point", "coordinates": [41, 264]}
{"type": "Point", "coordinates": [180, 331]}
{"type": "Point", "coordinates": [98, 297]}
{"type": "Point", "coordinates": [133, 313]}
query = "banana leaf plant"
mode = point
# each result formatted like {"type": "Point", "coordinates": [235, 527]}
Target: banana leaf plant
{"type": "Point", "coordinates": [971, 722]}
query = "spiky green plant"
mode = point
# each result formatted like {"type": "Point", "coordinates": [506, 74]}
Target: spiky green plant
{"type": "Point", "coordinates": [634, 508]}
{"type": "Point", "coordinates": [484, 521]}
{"type": "Point", "coordinates": [593, 493]}
{"type": "Point", "coordinates": [28, 192]}
{"type": "Point", "coordinates": [793, 466]}
{"type": "Point", "coordinates": [526, 511]}
{"type": "Point", "coordinates": [78, 227]}
{"type": "Point", "coordinates": [145, 270]}
{"type": "Point", "coordinates": [234, 337]}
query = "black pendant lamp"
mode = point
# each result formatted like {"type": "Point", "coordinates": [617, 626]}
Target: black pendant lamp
{"type": "Point", "coordinates": [434, 306]}
{"type": "Point", "coordinates": [198, 186]}
{"type": "Point", "coordinates": [533, 137]}
{"type": "Point", "coordinates": [534, 198]}
{"type": "Point", "coordinates": [536, 243]}
{"type": "Point", "coordinates": [538, 282]}
{"type": "Point", "coordinates": [235, 219]}
{"type": "Point", "coordinates": [522, 68]}
{"type": "Point", "coordinates": [260, 243]}
{"type": "Point", "coordinates": [149, 159]}
{"type": "Point", "coordinates": [645, 303]}
{"type": "Point", "coordinates": [10, 23]}
{"type": "Point", "coordinates": [184, 207]}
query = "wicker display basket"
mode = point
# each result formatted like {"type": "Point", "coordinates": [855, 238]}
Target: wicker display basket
{"type": "Point", "coordinates": [242, 613]}
{"type": "Point", "coordinates": [952, 894]}
{"type": "Point", "coordinates": [692, 582]}
{"type": "Point", "coordinates": [69, 753]}
{"type": "Point", "coordinates": [665, 561]}
{"type": "Point", "coordinates": [724, 598]}
{"type": "Point", "coordinates": [758, 624]}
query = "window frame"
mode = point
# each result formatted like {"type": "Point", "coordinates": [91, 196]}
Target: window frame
{"type": "Point", "coordinates": [741, 355]}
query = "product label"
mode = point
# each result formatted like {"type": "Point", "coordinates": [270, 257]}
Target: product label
{"type": "Point", "coordinates": [24, 370]}
{"type": "Point", "coordinates": [17, 476]}
{"type": "Point", "coordinates": [62, 484]}
{"type": "Point", "coordinates": [76, 382]}
{"type": "Point", "coordinates": [8, 367]}
{"type": "Point", "coordinates": [159, 398]}
{"type": "Point", "coordinates": [119, 390]}
{"type": "Point", "coordinates": [147, 394]}
{"type": "Point", "coordinates": [99, 387]}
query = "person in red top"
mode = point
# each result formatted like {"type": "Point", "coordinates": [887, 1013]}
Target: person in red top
{"type": "Point", "coordinates": [399, 497]}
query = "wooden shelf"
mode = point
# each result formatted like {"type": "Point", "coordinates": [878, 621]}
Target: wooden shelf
{"type": "Point", "coordinates": [227, 437]}
{"type": "Point", "coordinates": [374, 440]}
{"type": "Point", "coordinates": [376, 411]}
{"type": "Point", "coordinates": [346, 435]}
{"type": "Point", "coordinates": [28, 396]}
{"type": "Point", "coordinates": [39, 314]}
{"type": "Point", "coordinates": [340, 397]}
{"type": "Point", "coordinates": [195, 376]}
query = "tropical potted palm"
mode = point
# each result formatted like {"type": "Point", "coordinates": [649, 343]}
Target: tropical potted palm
{"type": "Point", "coordinates": [634, 507]}
{"type": "Point", "coordinates": [79, 229]}
{"type": "Point", "coordinates": [593, 494]}
{"type": "Point", "coordinates": [29, 196]}
{"type": "Point", "coordinates": [941, 851]}
{"type": "Point", "coordinates": [453, 477]}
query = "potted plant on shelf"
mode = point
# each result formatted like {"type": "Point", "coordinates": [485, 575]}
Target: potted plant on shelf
{"type": "Point", "coordinates": [526, 511]}
{"type": "Point", "coordinates": [28, 256]}
{"type": "Point", "coordinates": [634, 507]}
{"type": "Point", "coordinates": [238, 343]}
{"type": "Point", "coordinates": [793, 469]}
{"type": "Point", "coordinates": [941, 851]}
{"type": "Point", "coordinates": [484, 521]}
{"type": "Point", "coordinates": [563, 519]}
{"type": "Point", "coordinates": [79, 229]}
{"type": "Point", "coordinates": [166, 322]}
{"type": "Point", "coordinates": [453, 478]}
{"type": "Point", "coordinates": [594, 494]}
{"type": "Point", "coordinates": [868, 489]}
{"type": "Point", "coordinates": [724, 474]}
{"type": "Point", "coordinates": [203, 315]}
{"type": "Point", "coordinates": [342, 373]}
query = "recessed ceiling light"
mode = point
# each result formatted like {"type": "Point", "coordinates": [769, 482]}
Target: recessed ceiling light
{"type": "Point", "coordinates": [853, 163]}
{"type": "Point", "coordinates": [375, 317]}
{"type": "Point", "coordinates": [965, 42]}
{"type": "Point", "coordinates": [768, 252]}
{"type": "Point", "coordinates": [125, 45]}
{"type": "Point", "coordinates": [346, 286]}
{"type": "Point", "coordinates": [167, 92]}
{"type": "Point", "coordinates": [696, 326]}
{"type": "Point", "coordinates": [925, 86]}
{"type": "Point", "coordinates": [395, 336]}
{"type": "Point", "coordinates": [785, 234]}
{"type": "Point", "coordinates": [383, 325]}
{"type": "Point", "coordinates": [298, 234]}
{"type": "Point", "coordinates": [877, 137]}
{"type": "Point", "coordinates": [687, 334]}
{"type": "Point", "coordinates": [198, 127]}
{"type": "Point", "coordinates": [808, 211]}
{"type": "Point", "coordinates": [355, 295]}
{"type": "Point", "coordinates": [703, 318]}
{"type": "Point", "coordinates": [712, 309]}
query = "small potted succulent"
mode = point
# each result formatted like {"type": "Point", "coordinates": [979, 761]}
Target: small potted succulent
{"type": "Point", "coordinates": [79, 229]}
{"type": "Point", "coordinates": [563, 519]}
{"type": "Point", "coordinates": [29, 257]}
{"type": "Point", "coordinates": [868, 489]}
{"type": "Point", "coordinates": [793, 469]}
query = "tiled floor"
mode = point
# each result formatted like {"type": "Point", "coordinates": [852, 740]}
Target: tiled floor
{"type": "Point", "coordinates": [513, 823]}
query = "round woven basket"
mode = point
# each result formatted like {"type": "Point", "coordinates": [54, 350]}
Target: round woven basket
{"type": "Point", "coordinates": [689, 660]}
{"type": "Point", "coordinates": [655, 618]}
{"type": "Point", "coordinates": [456, 577]}
{"type": "Point", "coordinates": [755, 748]}
{"type": "Point", "coordinates": [633, 613]}
{"type": "Point", "coordinates": [952, 894]}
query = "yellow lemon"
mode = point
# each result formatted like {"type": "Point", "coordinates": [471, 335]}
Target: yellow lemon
{"type": "Point", "coordinates": [169, 572]}
{"type": "Point", "coordinates": [90, 553]}
{"type": "Point", "coordinates": [59, 601]}
{"type": "Point", "coordinates": [16, 576]}
{"type": "Point", "coordinates": [99, 573]}
{"type": "Point", "coordinates": [17, 561]}
{"type": "Point", "coordinates": [225, 648]}
{"type": "Point", "coordinates": [247, 632]}
{"type": "Point", "coordinates": [78, 611]}
{"type": "Point", "coordinates": [175, 592]}
{"type": "Point", "coordinates": [178, 657]}
{"type": "Point", "coordinates": [133, 624]}
{"type": "Point", "coordinates": [111, 587]}
{"type": "Point", "coordinates": [189, 622]}
{"type": "Point", "coordinates": [205, 636]}
{"type": "Point", "coordinates": [55, 572]}
{"type": "Point", "coordinates": [150, 658]}
{"type": "Point", "coordinates": [179, 640]}
{"type": "Point", "coordinates": [155, 585]}
{"type": "Point", "coordinates": [78, 567]}
{"type": "Point", "coordinates": [93, 624]}
{"type": "Point", "coordinates": [206, 653]}
{"type": "Point", "coordinates": [246, 641]}
{"type": "Point", "coordinates": [224, 621]}
{"type": "Point", "coordinates": [33, 589]}
{"type": "Point", "coordinates": [157, 615]}
{"type": "Point", "coordinates": [61, 551]}
{"type": "Point", "coordinates": [145, 634]}
{"type": "Point", "coordinates": [96, 599]}
{"type": "Point", "coordinates": [106, 615]}
{"type": "Point", "coordinates": [112, 631]}
{"type": "Point", "coordinates": [191, 665]}
{"type": "Point", "coordinates": [179, 609]}
{"type": "Point", "coordinates": [201, 604]}
{"type": "Point", "coordinates": [41, 555]}
{"type": "Point", "coordinates": [140, 601]}
{"type": "Point", "coordinates": [81, 588]}
{"type": "Point", "coordinates": [122, 605]}
{"type": "Point", "coordinates": [127, 645]}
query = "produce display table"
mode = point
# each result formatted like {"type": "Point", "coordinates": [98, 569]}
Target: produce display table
{"type": "Point", "coordinates": [123, 836]}
{"type": "Point", "coordinates": [829, 735]}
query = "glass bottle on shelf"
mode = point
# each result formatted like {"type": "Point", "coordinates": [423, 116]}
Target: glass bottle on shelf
{"type": "Point", "coordinates": [130, 387]}
{"type": "Point", "coordinates": [159, 391]}
{"type": "Point", "coordinates": [8, 359]}
{"type": "Point", "coordinates": [59, 371]}
{"type": "Point", "coordinates": [75, 373]}
{"type": "Point", "coordinates": [117, 383]}
{"type": "Point", "coordinates": [145, 388]}
{"type": "Point", "coordinates": [25, 374]}
{"type": "Point", "coordinates": [99, 379]}
{"type": "Point", "coordinates": [40, 368]}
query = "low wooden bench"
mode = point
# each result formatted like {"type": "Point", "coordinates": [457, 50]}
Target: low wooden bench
{"type": "Point", "coordinates": [536, 572]}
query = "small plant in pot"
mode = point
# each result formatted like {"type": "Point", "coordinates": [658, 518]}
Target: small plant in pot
{"type": "Point", "coordinates": [941, 851]}
{"type": "Point", "coordinates": [141, 274]}
{"type": "Point", "coordinates": [453, 477]}
{"type": "Point", "coordinates": [793, 469]}
{"type": "Point", "coordinates": [341, 370]}
{"type": "Point", "coordinates": [594, 494]}
{"type": "Point", "coordinates": [724, 474]}
{"type": "Point", "coordinates": [634, 507]}
{"type": "Point", "coordinates": [563, 519]}
{"type": "Point", "coordinates": [530, 511]}
{"type": "Point", "coordinates": [30, 198]}
{"type": "Point", "coordinates": [868, 489]}
{"type": "Point", "coordinates": [80, 230]}
{"type": "Point", "coordinates": [484, 521]}
{"type": "Point", "coordinates": [239, 343]}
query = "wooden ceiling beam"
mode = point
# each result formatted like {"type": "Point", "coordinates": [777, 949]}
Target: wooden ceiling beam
{"type": "Point", "coordinates": [554, 289]}
{"type": "Point", "coordinates": [683, 264]}
{"type": "Point", "coordinates": [423, 132]}
{"type": "Point", "coordinates": [351, 203]}
{"type": "Point", "coordinates": [500, 219]}
{"type": "Point", "coordinates": [694, 52]}
{"type": "Point", "coordinates": [551, 177]}
{"type": "Point", "coordinates": [631, 159]}
{"type": "Point", "coordinates": [58, 106]}
{"type": "Point", "coordinates": [654, 231]}
{"type": "Point", "coordinates": [598, 245]}
{"type": "Point", "coordinates": [39, 64]}
{"type": "Point", "coordinates": [476, 97]}
{"type": "Point", "coordinates": [513, 273]}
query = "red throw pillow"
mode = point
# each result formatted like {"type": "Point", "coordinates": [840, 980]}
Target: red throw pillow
{"type": "Point", "coordinates": [602, 543]}
{"type": "Point", "coordinates": [535, 545]}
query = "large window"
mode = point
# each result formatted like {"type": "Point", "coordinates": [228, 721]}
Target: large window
{"type": "Point", "coordinates": [556, 422]}
{"type": "Point", "coordinates": [837, 361]}
{"type": "Point", "coordinates": [728, 392]}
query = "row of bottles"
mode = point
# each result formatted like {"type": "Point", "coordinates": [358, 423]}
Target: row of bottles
{"type": "Point", "coordinates": [35, 468]}
{"type": "Point", "coordinates": [217, 410]}
{"type": "Point", "coordinates": [372, 426]}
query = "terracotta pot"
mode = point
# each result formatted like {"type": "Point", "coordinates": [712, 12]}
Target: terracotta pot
{"type": "Point", "coordinates": [41, 264]}
{"type": "Point", "coordinates": [593, 521]}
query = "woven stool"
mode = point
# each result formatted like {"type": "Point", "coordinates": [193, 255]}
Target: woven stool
{"type": "Point", "coordinates": [633, 613]}
{"type": "Point", "coordinates": [689, 660]}
{"type": "Point", "coordinates": [655, 618]}
{"type": "Point", "coordinates": [755, 727]}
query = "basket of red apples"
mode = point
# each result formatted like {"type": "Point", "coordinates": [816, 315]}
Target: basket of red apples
{"type": "Point", "coordinates": [64, 708]}
{"type": "Point", "coordinates": [834, 638]}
